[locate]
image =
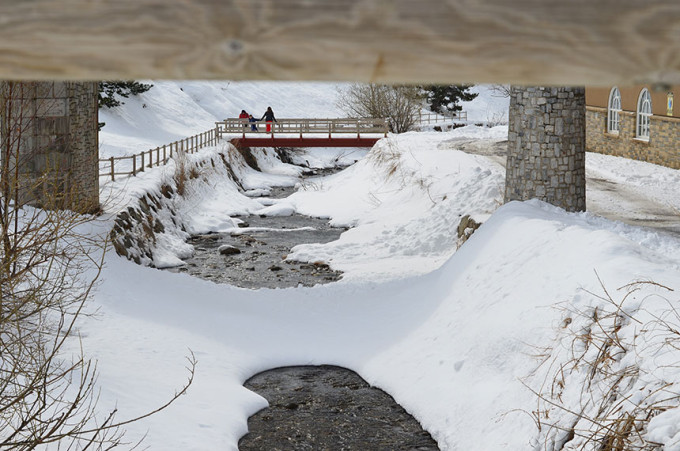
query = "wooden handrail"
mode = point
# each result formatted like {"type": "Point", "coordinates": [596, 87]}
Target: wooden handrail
{"type": "Point", "coordinates": [152, 157]}
{"type": "Point", "coordinates": [431, 118]}
{"type": "Point", "coordinates": [300, 126]}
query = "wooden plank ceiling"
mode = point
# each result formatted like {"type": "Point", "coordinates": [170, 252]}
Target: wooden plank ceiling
{"type": "Point", "coordinates": [562, 42]}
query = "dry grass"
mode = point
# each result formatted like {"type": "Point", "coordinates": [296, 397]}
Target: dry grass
{"type": "Point", "coordinates": [604, 369]}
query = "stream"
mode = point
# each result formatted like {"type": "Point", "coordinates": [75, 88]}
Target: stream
{"type": "Point", "coordinates": [310, 407]}
{"type": "Point", "coordinates": [254, 256]}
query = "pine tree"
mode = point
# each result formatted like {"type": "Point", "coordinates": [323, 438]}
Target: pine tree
{"type": "Point", "coordinates": [444, 99]}
{"type": "Point", "coordinates": [108, 90]}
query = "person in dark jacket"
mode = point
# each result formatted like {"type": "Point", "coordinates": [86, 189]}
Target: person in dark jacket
{"type": "Point", "coordinates": [269, 117]}
{"type": "Point", "coordinates": [252, 120]}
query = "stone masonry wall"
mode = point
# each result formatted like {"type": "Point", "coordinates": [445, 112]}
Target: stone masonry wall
{"type": "Point", "coordinates": [84, 144]}
{"type": "Point", "coordinates": [663, 147]}
{"type": "Point", "coordinates": [546, 146]}
{"type": "Point", "coordinates": [51, 129]}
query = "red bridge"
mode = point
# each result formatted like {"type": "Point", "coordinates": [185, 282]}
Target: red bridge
{"type": "Point", "coordinates": [303, 132]}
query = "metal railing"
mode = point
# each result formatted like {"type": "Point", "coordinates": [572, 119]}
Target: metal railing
{"type": "Point", "coordinates": [131, 165]}
{"type": "Point", "coordinates": [303, 126]}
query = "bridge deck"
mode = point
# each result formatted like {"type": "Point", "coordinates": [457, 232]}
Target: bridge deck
{"type": "Point", "coordinates": [249, 141]}
{"type": "Point", "coordinates": [348, 132]}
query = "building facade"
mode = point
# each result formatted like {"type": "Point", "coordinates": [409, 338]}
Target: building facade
{"type": "Point", "coordinates": [636, 122]}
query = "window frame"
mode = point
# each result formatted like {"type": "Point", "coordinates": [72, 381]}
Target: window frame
{"type": "Point", "coordinates": [614, 112]}
{"type": "Point", "coordinates": [643, 115]}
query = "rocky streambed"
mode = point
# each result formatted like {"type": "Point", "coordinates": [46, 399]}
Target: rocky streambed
{"type": "Point", "coordinates": [311, 407]}
{"type": "Point", "coordinates": [253, 257]}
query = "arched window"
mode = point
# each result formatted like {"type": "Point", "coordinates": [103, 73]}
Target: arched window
{"type": "Point", "coordinates": [644, 112]}
{"type": "Point", "coordinates": [614, 112]}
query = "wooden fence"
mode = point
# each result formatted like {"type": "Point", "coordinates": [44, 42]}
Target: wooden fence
{"type": "Point", "coordinates": [434, 118]}
{"type": "Point", "coordinates": [133, 164]}
{"type": "Point", "coordinates": [329, 127]}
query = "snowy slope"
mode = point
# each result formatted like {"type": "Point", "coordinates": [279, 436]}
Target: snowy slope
{"type": "Point", "coordinates": [172, 110]}
{"type": "Point", "coordinates": [456, 336]}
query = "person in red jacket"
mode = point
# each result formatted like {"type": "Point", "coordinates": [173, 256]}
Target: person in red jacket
{"type": "Point", "coordinates": [244, 118]}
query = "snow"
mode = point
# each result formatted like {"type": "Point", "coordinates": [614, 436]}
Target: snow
{"type": "Point", "coordinates": [456, 335]}
{"type": "Point", "coordinates": [175, 110]}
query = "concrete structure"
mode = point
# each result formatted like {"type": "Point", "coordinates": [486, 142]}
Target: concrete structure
{"type": "Point", "coordinates": [50, 140]}
{"type": "Point", "coordinates": [637, 122]}
{"type": "Point", "coordinates": [546, 146]}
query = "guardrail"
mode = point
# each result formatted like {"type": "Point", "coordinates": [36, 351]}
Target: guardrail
{"type": "Point", "coordinates": [434, 118]}
{"type": "Point", "coordinates": [131, 165]}
{"type": "Point", "coordinates": [116, 166]}
{"type": "Point", "coordinates": [302, 126]}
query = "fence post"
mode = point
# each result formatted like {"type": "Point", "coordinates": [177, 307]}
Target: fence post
{"type": "Point", "coordinates": [165, 157]}
{"type": "Point", "coordinates": [158, 156]}
{"type": "Point", "coordinates": [113, 172]}
{"type": "Point", "coordinates": [134, 165]}
{"type": "Point", "coordinates": [141, 169]}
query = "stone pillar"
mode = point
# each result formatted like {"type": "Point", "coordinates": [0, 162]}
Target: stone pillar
{"type": "Point", "coordinates": [546, 146]}
{"type": "Point", "coordinates": [50, 142]}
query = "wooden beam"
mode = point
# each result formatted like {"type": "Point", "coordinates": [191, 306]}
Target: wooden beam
{"type": "Point", "coordinates": [304, 142]}
{"type": "Point", "coordinates": [564, 42]}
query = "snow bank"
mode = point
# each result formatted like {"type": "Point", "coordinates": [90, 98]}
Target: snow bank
{"type": "Point", "coordinates": [460, 338]}
{"type": "Point", "coordinates": [451, 346]}
{"type": "Point", "coordinates": [407, 199]}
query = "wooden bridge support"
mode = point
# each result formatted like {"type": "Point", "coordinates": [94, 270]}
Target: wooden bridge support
{"type": "Point", "coordinates": [546, 146]}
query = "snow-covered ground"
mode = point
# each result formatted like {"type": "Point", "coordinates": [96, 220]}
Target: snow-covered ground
{"type": "Point", "coordinates": [465, 339]}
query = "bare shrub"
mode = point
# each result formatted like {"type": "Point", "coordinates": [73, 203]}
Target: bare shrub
{"type": "Point", "coordinates": [597, 391]}
{"type": "Point", "coordinates": [181, 171]}
{"type": "Point", "coordinates": [500, 90]}
{"type": "Point", "coordinates": [398, 103]}
{"type": "Point", "coordinates": [496, 118]}
{"type": "Point", "coordinates": [48, 269]}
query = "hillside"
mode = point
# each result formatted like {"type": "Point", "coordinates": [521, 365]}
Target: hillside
{"type": "Point", "coordinates": [172, 110]}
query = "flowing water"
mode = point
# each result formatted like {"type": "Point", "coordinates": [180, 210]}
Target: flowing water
{"type": "Point", "coordinates": [253, 257]}
{"type": "Point", "coordinates": [311, 408]}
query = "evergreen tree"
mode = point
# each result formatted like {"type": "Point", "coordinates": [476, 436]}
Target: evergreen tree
{"type": "Point", "coordinates": [108, 90]}
{"type": "Point", "coordinates": [444, 99]}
